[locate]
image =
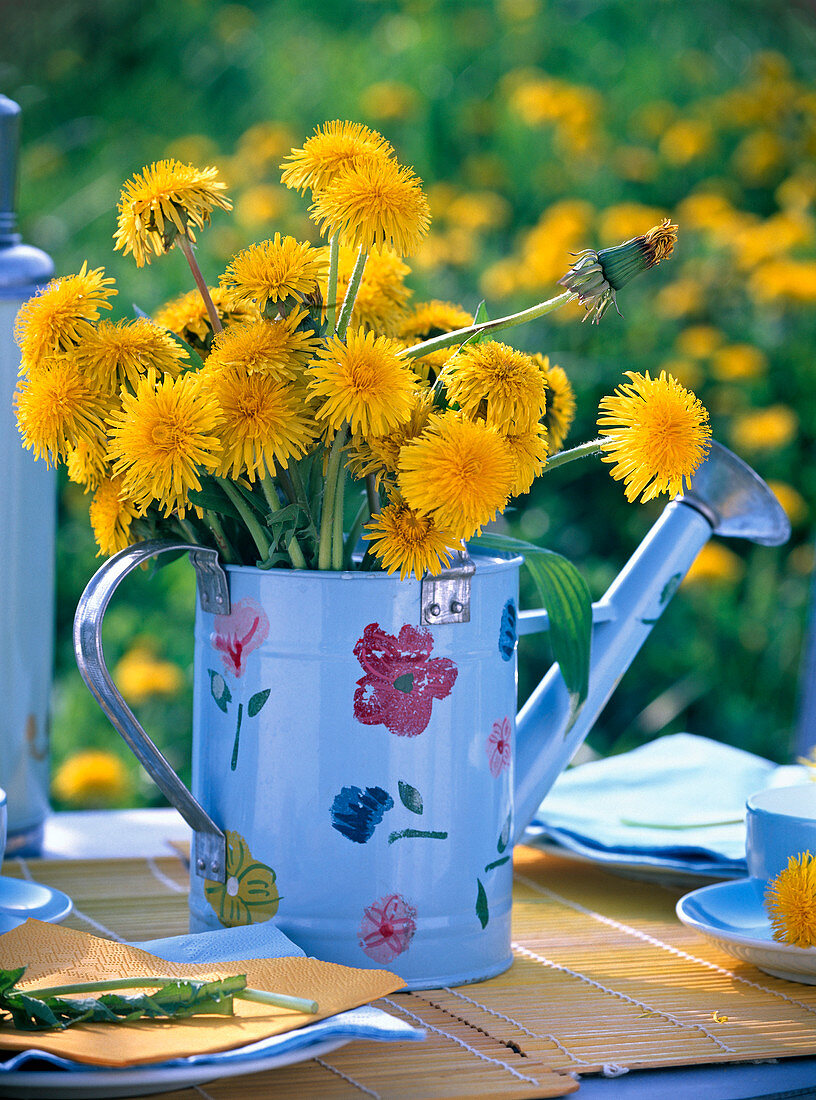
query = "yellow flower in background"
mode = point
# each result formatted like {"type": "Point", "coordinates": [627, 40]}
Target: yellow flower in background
{"type": "Point", "coordinates": [794, 504]}
{"type": "Point", "coordinates": [686, 140]}
{"type": "Point", "coordinates": [363, 382]}
{"type": "Point", "coordinates": [738, 362]}
{"type": "Point", "coordinates": [626, 220]}
{"type": "Point", "coordinates": [655, 433]}
{"type": "Point", "coordinates": [274, 271]}
{"type": "Point", "coordinates": [377, 204]}
{"type": "Point", "coordinates": [275, 348]}
{"type": "Point", "coordinates": [163, 200]}
{"type": "Point", "coordinates": [715, 563]}
{"type": "Point", "coordinates": [785, 280]}
{"type": "Point", "coordinates": [382, 297]}
{"type": "Point", "coordinates": [688, 372]}
{"type": "Point", "coordinates": [758, 157]}
{"type": "Point", "coordinates": [111, 512]}
{"type": "Point", "coordinates": [161, 439]}
{"type": "Point", "coordinates": [699, 341]}
{"type": "Point", "coordinates": [333, 148]}
{"type": "Point", "coordinates": [790, 900]}
{"type": "Point", "coordinates": [140, 674]}
{"type": "Point", "coordinates": [57, 409]}
{"type": "Point", "coordinates": [495, 381]}
{"type": "Point", "coordinates": [680, 298]}
{"type": "Point", "coordinates": [478, 210]}
{"type": "Point", "coordinates": [56, 318]}
{"type": "Point", "coordinates": [764, 429]}
{"type": "Point", "coordinates": [187, 315]}
{"type": "Point", "coordinates": [87, 463]}
{"type": "Point", "coordinates": [404, 539]}
{"type": "Point", "coordinates": [560, 396]}
{"type": "Point", "coordinates": [114, 355]}
{"type": "Point", "coordinates": [459, 472]}
{"type": "Point", "coordinates": [562, 229]}
{"type": "Point", "coordinates": [92, 778]}
{"type": "Point", "coordinates": [264, 143]}
{"type": "Point", "coordinates": [263, 421]}
{"type": "Point", "coordinates": [388, 99]}
{"type": "Point", "coordinates": [259, 205]}
{"type": "Point", "coordinates": [529, 451]}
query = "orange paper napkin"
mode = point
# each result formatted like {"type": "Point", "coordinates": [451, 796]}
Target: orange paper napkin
{"type": "Point", "coordinates": [54, 955]}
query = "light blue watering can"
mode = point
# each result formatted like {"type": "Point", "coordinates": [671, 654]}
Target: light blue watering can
{"type": "Point", "coordinates": [359, 772]}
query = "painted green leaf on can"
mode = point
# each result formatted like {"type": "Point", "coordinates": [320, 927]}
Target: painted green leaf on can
{"type": "Point", "coordinates": [219, 690]}
{"type": "Point", "coordinates": [410, 798]}
{"type": "Point", "coordinates": [481, 904]}
{"type": "Point", "coordinates": [257, 701]}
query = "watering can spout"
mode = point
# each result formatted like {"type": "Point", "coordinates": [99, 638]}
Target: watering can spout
{"type": "Point", "coordinates": [725, 498]}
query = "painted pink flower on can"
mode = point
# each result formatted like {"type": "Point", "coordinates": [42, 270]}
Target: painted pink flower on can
{"type": "Point", "coordinates": [499, 747]}
{"type": "Point", "coordinates": [387, 928]}
{"type": "Point", "coordinates": [401, 679]}
{"type": "Point", "coordinates": [236, 635]}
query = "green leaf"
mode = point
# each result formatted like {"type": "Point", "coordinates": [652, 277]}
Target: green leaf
{"type": "Point", "coordinates": [212, 497]}
{"type": "Point", "coordinates": [481, 904]}
{"type": "Point", "coordinates": [257, 701]}
{"type": "Point", "coordinates": [410, 798]}
{"type": "Point", "coordinates": [564, 594]}
{"type": "Point", "coordinates": [480, 316]}
{"type": "Point", "coordinates": [219, 689]}
{"type": "Point", "coordinates": [504, 839]}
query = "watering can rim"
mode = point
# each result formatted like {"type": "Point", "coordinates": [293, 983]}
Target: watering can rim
{"type": "Point", "coordinates": [488, 562]}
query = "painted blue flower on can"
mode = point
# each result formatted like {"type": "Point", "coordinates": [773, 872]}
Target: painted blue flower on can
{"type": "Point", "coordinates": [507, 631]}
{"type": "Point", "coordinates": [356, 813]}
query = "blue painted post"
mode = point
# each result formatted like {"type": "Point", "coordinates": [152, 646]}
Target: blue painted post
{"type": "Point", "coordinates": [27, 532]}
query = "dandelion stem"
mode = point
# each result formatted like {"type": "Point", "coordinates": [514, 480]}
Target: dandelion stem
{"type": "Point", "coordinates": [228, 555]}
{"type": "Point", "coordinates": [337, 528]}
{"type": "Point", "coordinates": [260, 996]}
{"type": "Point", "coordinates": [324, 554]}
{"type": "Point", "coordinates": [583, 450]}
{"type": "Point", "coordinates": [331, 288]}
{"type": "Point", "coordinates": [187, 530]}
{"type": "Point", "coordinates": [354, 533]}
{"type": "Point", "coordinates": [372, 494]}
{"type": "Point", "coordinates": [247, 515]}
{"type": "Point", "coordinates": [458, 336]}
{"type": "Point", "coordinates": [212, 312]}
{"type": "Point", "coordinates": [351, 293]}
{"type": "Point", "coordinates": [293, 546]}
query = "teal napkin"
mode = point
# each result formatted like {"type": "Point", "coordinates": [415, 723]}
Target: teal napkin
{"type": "Point", "coordinates": [678, 801]}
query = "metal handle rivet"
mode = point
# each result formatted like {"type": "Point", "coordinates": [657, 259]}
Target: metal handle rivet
{"type": "Point", "coordinates": [214, 867]}
{"type": "Point", "coordinates": [435, 610]}
{"type": "Point", "coordinates": [200, 865]}
{"type": "Point", "coordinates": [455, 607]}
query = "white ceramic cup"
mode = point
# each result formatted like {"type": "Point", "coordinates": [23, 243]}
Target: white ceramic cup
{"type": "Point", "coordinates": [780, 823]}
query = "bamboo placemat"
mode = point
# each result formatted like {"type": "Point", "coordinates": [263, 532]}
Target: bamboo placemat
{"type": "Point", "coordinates": [605, 978]}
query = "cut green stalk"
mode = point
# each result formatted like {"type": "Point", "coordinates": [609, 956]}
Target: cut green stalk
{"type": "Point", "coordinates": [354, 533]}
{"type": "Point", "coordinates": [200, 281]}
{"type": "Point", "coordinates": [324, 554]}
{"type": "Point", "coordinates": [225, 548]}
{"type": "Point", "coordinates": [337, 527]}
{"type": "Point", "coordinates": [331, 288]}
{"type": "Point", "coordinates": [248, 516]}
{"type": "Point", "coordinates": [293, 546]}
{"type": "Point", "coordinates": [458, 336]}
{"type": "Point", "coordinates": [351, 293]}
{"type": "Point", "coordinates": [583, 450]}
{"type": "Point", "coordinates": [187, 530]}
{"type": "Point", "coordinates": [260, 996]}
{"type": "Point", "coordinates": [372, 495]}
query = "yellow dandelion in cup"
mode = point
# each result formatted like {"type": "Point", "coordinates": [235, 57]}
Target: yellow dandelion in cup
{"type": "Point", "coordinates": [162, 201]}
{"type": "Point", "coordinates": [333, 148]}
{"type": "Point", "coordinates": [560, 410]}
{"type": "Point", "coordinates": [379, 204]}
{"type": "Point", "coordinates": [57, 409]}
{"type": "Point", "coordinates": [112, 513]}
{"type": "Point", "coordinates": [382, 296]}
{"type": "Point", "coordinates": [495, 381]}
{"type": "Point", "coordinates": [275, 270]}
{"type": "Point", "coordinates": [459, 472]}
{"type": "Point", "coordinates": [274, 348]}
{"type": "Point", "coordinates": [61, 314]}
{"type": "Point", "coordinates": [187, 315]}
{"type": "Point", "coordinates": [161, 439]}
{"type": "Point", "coordinates": [404, 539]}
{"type": "Point", "coordinates": [791, 902]}
{"type": "Point", "coordinates": [264, 421]}
{"type": "Point", "coordinates": [379, 454]}
{"type": "Point", "coordinates": [87, 463]}
{"type": "Point", "coordinates": [655, 432]}
{"type": "Point", "coordinates": [114, 355]}
{"type": "Point", "coordinates": [362, 382]}
{"type": "Point", "coordinates": [429, 319]}
{"type": "Point", "coordinates": [529, 450]}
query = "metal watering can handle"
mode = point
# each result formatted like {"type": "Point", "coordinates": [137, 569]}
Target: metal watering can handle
{"type": "Point", "coordinates": [210, 845]}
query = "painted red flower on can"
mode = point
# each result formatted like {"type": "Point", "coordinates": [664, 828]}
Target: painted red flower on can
{"type": "Point", "coordinates": [499, 747]}
{"type": "Point", "coordinates": [401, 679]}
{"type": "Point", "coordinates": [387, 928]}
{"type": "Point", "coordinates": [236, 635]}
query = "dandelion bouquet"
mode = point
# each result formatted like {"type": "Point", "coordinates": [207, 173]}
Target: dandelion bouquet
{"type": "Point", "coordinates": [242, 416]}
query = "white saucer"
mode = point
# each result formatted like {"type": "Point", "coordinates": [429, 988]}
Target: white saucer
{"type": "Point", "coordinates": [20, 900]}
{"type": "Point", "coordinates": [733, 916]}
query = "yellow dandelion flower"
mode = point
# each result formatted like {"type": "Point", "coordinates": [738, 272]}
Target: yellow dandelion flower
{"type": "Point", "coordinates": [112, 513]}
{"type": "Point", "coordinates": [163, 200]}
{"type": "Point", "coordinates": [274, 348]}
{"type": "Point", "coordinates": [404, 539]}
{"type": "Point", "coordinates": [529, 451]}
{"type": "Point", "coordinates": [187, 315]}
{"type": "Point", "coordinates": [264, 421]}
{"type": "Point", "coordinates": [114, 355]}
{"type": "Point", "coordinates": [379, 454]}
{"type": "Point", "coordinates": [459, 472]}
{"type": "Point", "coordinates": [332, 149]}
{"type": "Point", "coordinates": [382, 296]}
{"type": "Point", "coordinates": [560, 411]}
{"type": "Point", "coordinates": [57, 317]}
{"type": "Point", "coordinates": [274, 270]}
{"type": "Point", "coordinates": [379, 203]}
{"type": "Point", "coordinates": [92, 778]}
{"type": "Point", "coordinates": [764, 429]}
{"type": "Point", "coordinates": [140, 674]}
{"type": "Point", "coordinates": [362, 382]}
{"type": "Point", "coordinates": [715, 564]}
{"type": "Point", "coordinates": [161, 438]}
{"type": "Point", "coordinates": [495, 381]}
{"type": "Point", "coordinates": [57, 409]}
{"type": "Point", "coordinates": [791, 902]}
{"type": "Point", "coordinates": [87, 463]}
{"type": "Point", "coordinates": [656, 434]}
{"type": "Point", "coordinates": [429, 319]}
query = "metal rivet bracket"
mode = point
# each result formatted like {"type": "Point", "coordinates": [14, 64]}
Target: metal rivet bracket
{"type": "Point", "coordinates": [446, 597]}
{"type": "Point", "coordinates": [213, 589]}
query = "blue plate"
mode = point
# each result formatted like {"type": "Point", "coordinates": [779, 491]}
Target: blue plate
{"type": "Point", "coordinates": [20, 900]}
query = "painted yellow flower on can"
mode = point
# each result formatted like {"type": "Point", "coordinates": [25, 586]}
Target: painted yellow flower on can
{"type": "Point", "coordinates": [249, 895]}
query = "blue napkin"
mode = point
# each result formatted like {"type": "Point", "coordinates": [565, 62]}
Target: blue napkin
{"type": "Point", "coordinates": [678, 802]}
{"type": "Point", "coordinates": [248, 941]}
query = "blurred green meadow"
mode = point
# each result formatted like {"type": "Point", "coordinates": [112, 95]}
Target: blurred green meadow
{"type": "Point", "coordinates": [538, 129]}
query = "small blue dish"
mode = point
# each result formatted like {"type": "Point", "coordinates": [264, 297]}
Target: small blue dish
{"type": "Point", "coordinates": [20, 900]}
